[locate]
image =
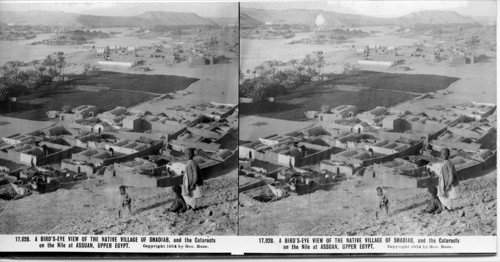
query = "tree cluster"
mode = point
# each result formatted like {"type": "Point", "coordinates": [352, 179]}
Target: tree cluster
{"type": "Point", "coordinates": [20, 78]}
{"type": "Point", "coordinates": [270, 79]}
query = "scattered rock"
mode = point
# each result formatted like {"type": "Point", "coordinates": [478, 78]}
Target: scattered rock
{"type": "Point", "coordinates": [350, 233]}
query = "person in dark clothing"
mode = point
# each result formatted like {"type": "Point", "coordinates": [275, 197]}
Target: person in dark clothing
{"type": "Point", "coordinates": [434, 206]}
{"type": "Point", "coordinates": [179, 205]}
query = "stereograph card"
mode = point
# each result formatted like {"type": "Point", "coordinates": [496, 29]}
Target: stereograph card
{"type": "Point", "coordinates": [248, 129]}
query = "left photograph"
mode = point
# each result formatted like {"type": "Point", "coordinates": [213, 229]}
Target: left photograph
{"type": "Point", "coordinates": [119, 118]}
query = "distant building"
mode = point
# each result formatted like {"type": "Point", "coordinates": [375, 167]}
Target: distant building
{"type": "Point", "coordinates": [101, 50]}
{"type": "Point", "coordinates": [373, 116]}
{"type": "Point", "coordinates": [85, 111]}
{"type": "Point", "coordinates": [197, 61]}
{"type": "Point", "coordinates": [392, 123]}
{"type": "Point", "coordinates": [132, 123]}
{"type": "Point", "coordinates": [458, 60]}
{"type": "Point", "coordinates": [340, 112]}
{"type": "Point", "coordinates": [360, 49]}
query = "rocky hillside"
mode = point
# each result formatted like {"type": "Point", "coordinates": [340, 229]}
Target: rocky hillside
{"type": "Point", "coordinates": [434, 17]}
{"type": "Point", "coordinates": [92, 209]}
{"type": "Point", "coordinates": [334, 19]}
{"type": "Point", "coordinates": [77, 20]}
{"type": "Point", "coordinates": [349, 210]}
{"type": "Point", "coordinates": [49, 18]}
{"type": "Point", "coordinates": [247, 22]}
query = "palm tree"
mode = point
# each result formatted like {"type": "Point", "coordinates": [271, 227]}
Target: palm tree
{"type": "Point", "coordinates": [4, 92]}
{"type": "Point", "coordinates": [35, 63]}
{"type": "Point", "coordinates": [61, 62]}
{"type": "Point", "coordinates": [51, 65]}
{"type": "Point", "coordinates": [293, 62]}
{"type": "Point", "coordinates": [300, 69]}
{"type": "Point", "coordinates": [248, 71]}
{"type": "Point", "coordinates": [259, 91]}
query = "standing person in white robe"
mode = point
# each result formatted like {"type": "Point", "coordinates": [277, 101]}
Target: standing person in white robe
{"type": "Point", "coordinates": [448, 181]}
{"type": "Point", "coordinates": [192, 181]}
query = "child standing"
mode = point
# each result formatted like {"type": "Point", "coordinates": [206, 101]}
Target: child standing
{"type": "Point", "coordinates": [434, 206]}
{"type": "Point", "coordinates": [125, 201]}
{"type": "Point", "coordinates": [383, 202]}
{"type": "Point", "coordinates": [179, 205]}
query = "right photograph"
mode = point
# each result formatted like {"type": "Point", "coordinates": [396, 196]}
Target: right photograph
{"type": "Point", "coordinates": [369, 118]}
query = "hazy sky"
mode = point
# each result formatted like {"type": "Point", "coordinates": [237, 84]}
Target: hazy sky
{"type": "Point", "coordinates": [385, 8]}
{"type": "Point", "coordinates": [124, 8]}
{"type": "Point", "coordinates": [228, 8]}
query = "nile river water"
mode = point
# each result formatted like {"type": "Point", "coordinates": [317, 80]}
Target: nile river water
{"type": "Point", "coordinates": [21, 50]}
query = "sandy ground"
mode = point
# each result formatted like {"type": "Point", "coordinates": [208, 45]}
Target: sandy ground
{"type": "Point", "coordinates": [256, 51]}
{"type": "Point", "coordinates": [20, 126]}
{"type": "Point", "coordinates": [92, 209]}
{"type": "Point", "coordinates": [349, 210]}
{"type": "Point", "coordinates": [253, 127]}
{"type": "Point", "coordinates": [477, 83]}
{"type": "Point", "coordinates": [218, 83]}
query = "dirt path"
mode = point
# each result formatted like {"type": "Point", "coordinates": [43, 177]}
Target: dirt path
{"type": "Point", "coordinates": [138, 91]}
{"type": "Point", "coordinates": [254, 127]}
{"type": "Point", "coordinates": [349, 210]}
{"type": "Point", "coordinates": [92, 209]}
{"type": "Point", "coordinates": [400, 91]}
{"type": "Point", "coordinates": [21, 126]}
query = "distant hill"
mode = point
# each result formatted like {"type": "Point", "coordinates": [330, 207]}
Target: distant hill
{"type": "Point", "coordinates": [334, 19]}
{"type": "Point", "coordinates": [175, 18]}
{"type": "Point", "coordinates": [485, 19]}
{"type": "Point", "coordinates": [77, 20]}
{"type": "Point", "coordinates": [435, 17]}
{"type": "Point", "coordinates": [225, 20]}
{"type": "Point", "coordinates": [248, 22]}
{"type": "Point", "coordinates": [50, 18]}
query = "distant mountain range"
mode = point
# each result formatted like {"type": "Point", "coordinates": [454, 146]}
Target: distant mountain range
{"type": "Point", "coordinates": [152, 18]}
{"type": "Point", "coordinates": [247, 22]}
{"type": "Point", "coordinates": [225, 20]}
{"type": "Point", "coordinates": [249, 17]}
{"type": "Point", "coordinates": [308, 17]}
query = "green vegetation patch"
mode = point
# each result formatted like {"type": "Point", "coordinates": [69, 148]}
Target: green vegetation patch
{"type": "Point", "coordinates": [384, 89]}
{"type": "Point", "coordinates": [160, 84]}
{"type": "Point", "coordinates": [402, 82]}
{"type": "Point", "coordinates": [294, 108]}
{"type": "Point", "coordinates": [35, 106]}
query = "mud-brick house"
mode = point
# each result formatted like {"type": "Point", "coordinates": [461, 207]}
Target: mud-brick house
{"type": "Point", "coordinates": [119, 151]}
{"type": "Point", "coordinates": [337, 113]}
{"type": "Point", "coordinates": [18, 139]}
{"type": "Point", "coordinates": [374, 116]}
{"type": "Point", "coordinates": [475, 110]}
{"type": "Point", "coordinates": [379, 152]}
{"type": "Point", "coordinates": [78, 166]}
{"type": "Point", "coordinates": [113, 116]}
{"type": "Point", "coordinates": [132, 123]}
{"type": "Point", "coordinates": [457, 60]}
{"type": "Point", "coordinates": [37, 154]}
{"type": "Point", "coordinates": [191, 140]}
{"type": "Point", "coordinates": [197, 60]}
{"type": "Point", "coordinates": [80, 112]}
{"type": "Point", "coordinates": [398, 173]}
